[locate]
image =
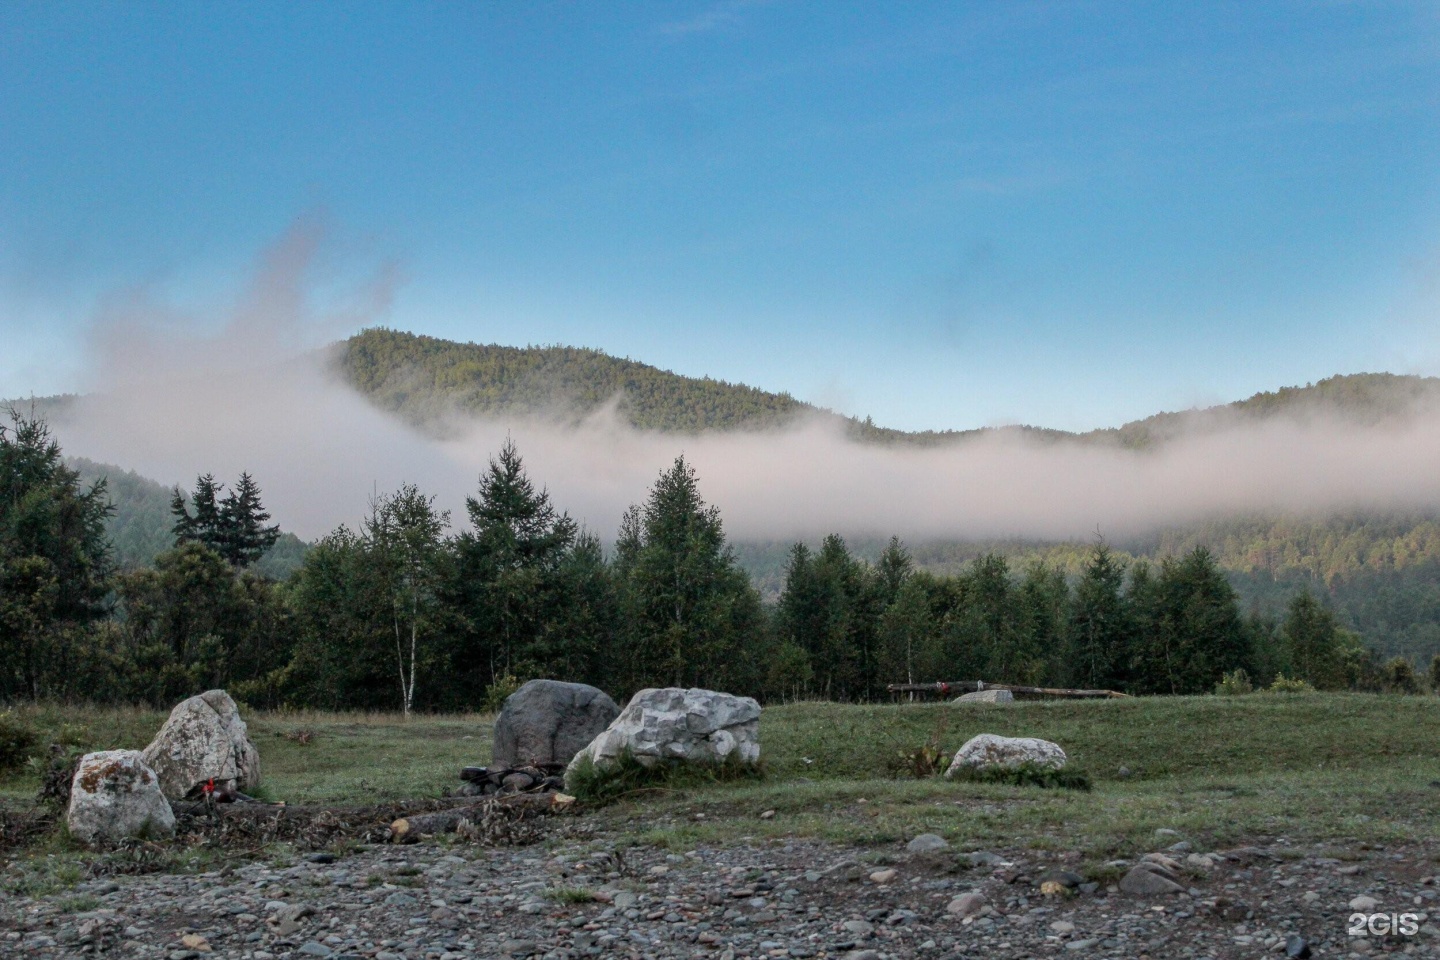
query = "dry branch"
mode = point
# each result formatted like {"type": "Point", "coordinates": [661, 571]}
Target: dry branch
{"type": "Point", "coordinates": [407, 829]}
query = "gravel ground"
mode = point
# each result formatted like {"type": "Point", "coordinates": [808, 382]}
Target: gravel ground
{"type": "Point", "coordinates": [444, 901]}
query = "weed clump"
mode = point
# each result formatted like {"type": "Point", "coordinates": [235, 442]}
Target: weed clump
{"type": "Point", "coordinates": [18, 742]}
{"type": "Point", "coordinates": [626, 776]}
{"type": "Point", "coordinates": [1284, 684]}
{"type": "Point", "coordinates": [1234, 684]}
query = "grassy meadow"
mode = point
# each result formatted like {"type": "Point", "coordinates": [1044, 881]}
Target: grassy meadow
{"type": "Point", "coordinates": [1330, 768]}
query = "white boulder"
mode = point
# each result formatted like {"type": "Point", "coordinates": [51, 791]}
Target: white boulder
{"type": "Point", "coordinates": [987, 750]}
{"type": "Point", "coordinates": [204, 740]}
{"type": "Point", "coordinates": [116, 795]}
{"type": "Point", "coordinates": [986, 696]}
{"type": "Point", "coordinates": [674, 724]}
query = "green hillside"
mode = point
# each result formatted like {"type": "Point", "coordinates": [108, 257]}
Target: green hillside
{"type": "Point", "coordinates": [425, 380]}
{"type": "Point", "coordinates": [1361, 399]}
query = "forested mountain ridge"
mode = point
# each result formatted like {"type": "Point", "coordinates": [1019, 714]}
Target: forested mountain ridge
{"type": "Point", "coordinates": [426, 380]}
{"type": "Point", "coordinates": [1359, 399]}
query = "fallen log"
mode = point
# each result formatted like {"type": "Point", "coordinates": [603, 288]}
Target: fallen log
{"type": "Point", "coordinates": [969, 686]}
{"type": "Point", "coordinates": [262, 810]}
{"type": "Point", "coordinates": [409, 829]}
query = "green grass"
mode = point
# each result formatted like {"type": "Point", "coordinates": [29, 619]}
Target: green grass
{"type": "Point", "coordinates": [1336, 768]}
{"type": "Point", "coordinates": [627, 777]}
{"type": "Point", "coordinates": [570, 895]}
{"type": "Point", "coordinates": [350, 758]}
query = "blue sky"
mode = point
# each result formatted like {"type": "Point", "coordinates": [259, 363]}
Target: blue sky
{"type": "Point", "coordinates": [938, 215]}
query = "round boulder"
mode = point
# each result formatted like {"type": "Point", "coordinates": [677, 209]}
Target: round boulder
{"type": "Point", "coordinates": [987, 750]}
{"type": "Point", "coordinates": [549, 721]}
{"type": "Point", "coordinates": [204, 740]}
{"type": "Point", "coordinates": [116, 795]}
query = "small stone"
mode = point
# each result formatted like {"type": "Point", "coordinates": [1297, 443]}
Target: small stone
{"type": "Point", "coordinates": [1148, 880]}
{"type": "Point", "coordinates": [927, 843]}
{"type": "Point", "coordinates": [767, 815]}
{"type": "Point", "coordinates": [884, 876]}
{"type": "Point", "coordinates": [321, 858]}
{"type": "Point", "coordinates": [313, 949]}
{"type": "Point", "coordinates": [1363, 904]}
{"type": "Point", "coordinates": [1065, 878]}
{"type": "Point", "coordinates": [196, 942]}
{"type": "Point", "coordinates": [1184, 846]}
{"type": "Point", "coordinates": [984, 858]}
{"type": "Point", "coordinates": [625, 899]}
{"type": "Point", "coordinates": [1296, 947]}
{"type": "Point", "coordinates": [966, 905]}
{"type": "Point", "coordinates": [1078, 945]}
{"type": "Point", "coordinates": [1167, 832]}
{"type": "Point", "coordinates": [859, 928]}
{"type": "Point", "coordinates": [1062, 927]}
{"type": "Point", "coordinates": [519, 948]}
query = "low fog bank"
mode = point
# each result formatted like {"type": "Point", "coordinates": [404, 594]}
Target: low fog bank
{"type": "Point", "coordinates": [320, 451]}
{"type": "Point", "coordinates": [254, 396]}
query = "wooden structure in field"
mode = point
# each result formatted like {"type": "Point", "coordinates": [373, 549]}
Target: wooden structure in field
{"type": "Point", "coordinates": [957, 687]}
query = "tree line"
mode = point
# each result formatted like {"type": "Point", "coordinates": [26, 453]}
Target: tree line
{"type": "Point", "coordinates": [411, 610]}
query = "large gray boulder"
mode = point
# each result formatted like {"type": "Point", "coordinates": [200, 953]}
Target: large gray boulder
{"type": "Point", "coordinates": [116, 795]}
{"type": "Point", "coordinates": [988, 750]}
{"type": "Point", "coordinates": [549, 721]}
{"type": "Point", "coordinates": [204, 740]}
{"type": "Point", "coordinates": [674, 724]}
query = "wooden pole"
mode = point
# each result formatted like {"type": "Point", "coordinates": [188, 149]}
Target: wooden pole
{"type": "Point", "coordinates": [967, 686]}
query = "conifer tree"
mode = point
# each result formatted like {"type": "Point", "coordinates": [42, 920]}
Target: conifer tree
{"type": "Point", "coordinates": [232, 526]}
{"type": "Point", "coordinates": [1313, 643]}
{"type": "Point", "coordinates": [508, 574]}
{"type": "Point", "coordinates": [243, 534]}
{"type": "Point", "coordinates": [690, 608]}
{"type": "Point", "coordinates": [1099, 624]}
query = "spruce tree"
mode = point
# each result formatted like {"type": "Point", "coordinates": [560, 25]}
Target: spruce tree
{"type": "Point", "coordinates": [206, 525]}
{"type": "Point", "coordinates": [1312, 643]}
{"type": "Point", "coordinates": [508, 576]}
{"type": "Point", "coordinates": [1099, 621]}
{"type": "Point", "coordinates": [233, 526]}
{"type": "Point", "coordinates": [243, 536]}
{"type": "Point", "coordinates": [690, 609]}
